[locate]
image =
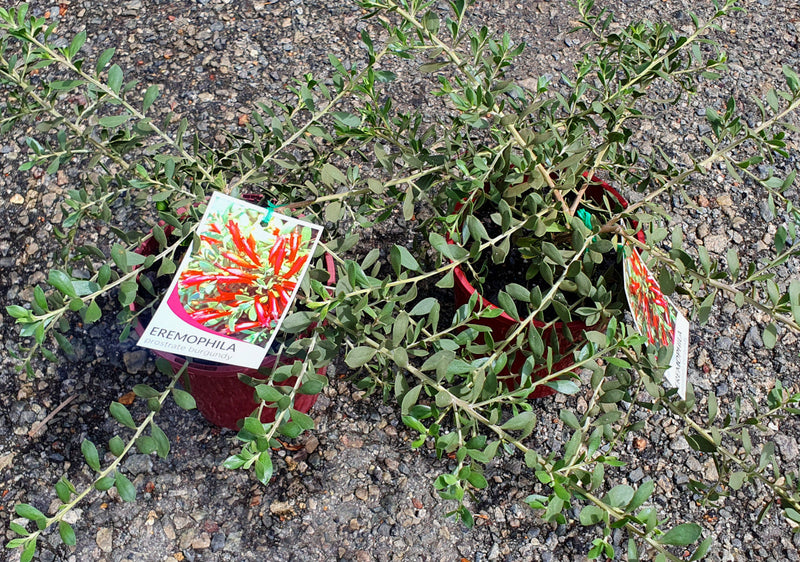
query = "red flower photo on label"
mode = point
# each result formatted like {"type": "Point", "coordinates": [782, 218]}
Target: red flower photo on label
{"type": "Point", "coordinates": [655, 317]}
{"type": "Point", "coordinates": [652, 314]}
{"type": "Point", "coordinates": [242, 277]}
{"type": "Point", "coordinates": [232, 291]}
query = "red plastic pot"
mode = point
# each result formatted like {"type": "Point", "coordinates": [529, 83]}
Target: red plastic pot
{"type": "Point", "coordinates": [221, 397]}
{"type": "Point", "coordinates": [502, 324]}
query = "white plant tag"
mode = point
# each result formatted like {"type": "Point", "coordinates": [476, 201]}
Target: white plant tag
{"type": "Point", "coordinates": [230, 294]}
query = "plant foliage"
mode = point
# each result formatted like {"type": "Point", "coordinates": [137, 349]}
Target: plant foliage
{"type": "Point", "coordinates": [504, 173]}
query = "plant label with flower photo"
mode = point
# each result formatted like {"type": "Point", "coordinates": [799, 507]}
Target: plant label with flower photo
{"type": "Point", "coordinates": [656, 317]}
{"type": "Point", "coordinates": [233, 290]}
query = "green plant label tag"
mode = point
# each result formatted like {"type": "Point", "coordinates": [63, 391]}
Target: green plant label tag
{"type": "Point", "coordinates": [231, 293]}
{"type": "Point", "coordinates": [656, 317]}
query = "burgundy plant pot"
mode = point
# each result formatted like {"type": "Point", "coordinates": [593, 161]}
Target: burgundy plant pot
{"type": "Point", "coordinates": [221, 397]}
{"type": "Point", "coordinates": [501, 325]}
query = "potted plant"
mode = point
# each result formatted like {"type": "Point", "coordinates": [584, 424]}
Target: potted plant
{"type": "Point", "coordinates": [350, 160]}
{"type": "Point", "coordinates": [523, 260]}
{"type": "Point", "coordinates": [226, 394]}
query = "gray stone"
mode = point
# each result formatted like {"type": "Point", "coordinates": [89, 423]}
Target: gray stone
{"type": "Point", "coordinates": [693, 464]}
{"type": "Point", "coordinates": [753, 338]}
{"type": "Point", "coordinates": [138, 464]}
{"type": "Point", "coordinates": [201, 541]}
{"type": "Point", "coordinates": [135, 360]}
{"type": "Point", "coordinates": [636, 475]}
{"type": "Point", "coordinates": [716, 243]}
{"type": "Point", "coordinates": [765, 211]}
{"type": "Point", "coordinates": [104, 539]}
{"type": "Point", "coordinates": [787, 446]}
{"type": "Point", "coordinates": [218, 541]}
{"type": "Point", "coordinates": [180, 521]}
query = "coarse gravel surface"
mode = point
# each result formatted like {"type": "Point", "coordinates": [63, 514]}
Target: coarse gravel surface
{"type": "Point", "coordinates": [355, 489]}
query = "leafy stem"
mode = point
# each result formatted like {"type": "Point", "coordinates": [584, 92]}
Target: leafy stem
{"type": "Point", "coordinates": [103, 480]}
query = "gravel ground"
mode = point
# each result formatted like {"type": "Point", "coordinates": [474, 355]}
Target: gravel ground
{"type": "Point", "coordinates": [355, 490]}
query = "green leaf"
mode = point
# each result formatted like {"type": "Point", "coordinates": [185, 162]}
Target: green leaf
{"type": "Point", "coordinates": [28, 512]}
{"type": "Point", "coordinates": [161, 441]}
{"type": "Point", "coordinates": [477, 479]}
{"type": "Point", "coordinates": [359, 356]}
{"type": "Point", "coordinates": [63, 490]}
{"type": "Point", "coordinates": [569, 418]}
{"type": "Point", "coordinates": [400, 256]}
{"type": "Point", "coordinates": [28, 551]}
{"type": "Point", "coordinates": [263, 468]}
{"type": "Point", "coordinates": [268, 393]}
{"type": "Point", "coordinates": [127, 292]}
{"type": "Point", "coordinates": [127, 491]}
{"type": "Point", "coordinates": [84, 288]}
{"type": "Point", "coordinates": [149, 97]}
{"type": "Point", "coordinates": [619, 496]}
{"type": "Point", "coordinates": [682, 535]}
{"type": "Point", "coordinates": [40, 298]}
{"type": "Point", "coordinates": [145, 391]}
{"type": "Point", "coordinates": [347, 120]}
{"type": "Point", "coordinates": [508, 305]}
{"type": "Point", "coordinates": [111, 121]}
{"type": "Point", "coordinates": [90, 454]}
{"type": "Point", "coordinates": [19, 529]}
{"type": "Point", "coordinates": [233, 462]}
{"type": "Point", "coordinates": [564, 386]}
{"type": "Point", "coordinates": [116, 445]}
{"type": "Point", "coordinates": [410, 399]}
{"type": "Point", "coordinates": [702, 550]}
{"type": "Point", "coordinates": [62, 282]}
{"type": "Point", "coordinates": [591, 515]}
{"type": "Point", "coordinates": [254, 426]}
{"type": "Point", "coordinates": [633, 552]}
{"type": "Point", "coordinates": [167, 267]}
{"type": "Point", "coordinates": [331, 175]}
{"type": "Point", "coordinates": [770, 336]}
{"type": "Point", "coordinates": [553, 253]}
{"type": "Point", "coordinates": [115, 78]}
{"type": "Point", "coordinates": [122, 415]}
{"type": "Point", "coordinates": [400, 357]}
{"type": "Point", "coordinates": [732, 258]}
{"type": "Point", "coordinates": [522, 421]}
{"type": "Point", "coordinates": [303, 420]}
{"type": "Point", "coordinates": [772, 100]}
{"type": "Point", "coordinates": [423, 307]}
{"type": "Point", "coordinates": [450, 251]}
{"type": "Point", "coordinates": [183, 399]}
{"type": "Point", "coordinates": [67, 533]}
{"type": "Point", "coordinates": [104, 59]}
{"type": "Point", "coordinates": [736, 479]}
{"type": "Point", "coordinates": [792, 80]}
{"type": "Point", "coordinates": [92, 313]}
{"type": "Point", "coordinates": [432, 67]}
{"type": "Point", "coordinates": [644, 491]}
{"type": "Point", "coordinates": [16, 311]}
{"type": "Point", "coordinates": [65, 85]}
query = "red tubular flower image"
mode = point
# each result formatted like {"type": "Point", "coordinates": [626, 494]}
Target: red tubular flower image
{"type": "Point", "coordinates": [241, 278]}
{"type": "Point", "coordinates": [651, 310]}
